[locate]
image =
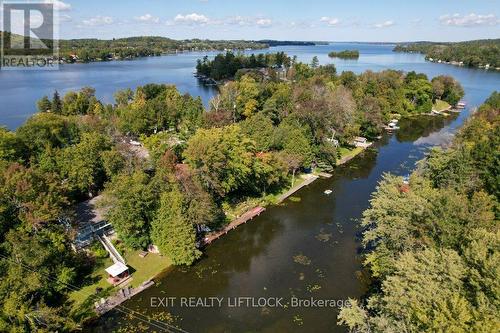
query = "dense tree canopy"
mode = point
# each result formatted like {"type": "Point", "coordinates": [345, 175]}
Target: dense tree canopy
{"type": "Point", "coordinates": [86, 50]}
{"type": "Point", "coordinates": [346, 54]}
{"type": "Point", "coordinates": [225, 66]}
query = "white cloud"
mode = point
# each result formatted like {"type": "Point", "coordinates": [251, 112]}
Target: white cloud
{"type": "Point", "coordinates": [264, 23]}
{"type": "Point", "coordinates": [98, 20]}
{"type": "Point", "coordinates": [385, 24]}
{"type": "Point", "coordinates": [261, 22]}
{"type": "Point", "coordinates": [192, 19]}
{"type": "Point", "coordinates": [147, 18]}
{"type": "Point", "coordinates": [195, 19]}
{"type": "Point", "coordinates": [331, 21]}
{"type": "Point", "coordinates": [469, 20]}
{"type": "Point", "coordinates": [65, 18]}
{"type": "Point", "coordinates": [238, 20]}
{"type": "Point", "coordinates": [59, 5]}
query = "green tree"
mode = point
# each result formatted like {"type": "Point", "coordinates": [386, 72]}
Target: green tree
{"type": "Point", "coordinates": [293, 141]}
{"type": "Point", "coordinates": [11, 147]}
{"type": "Point", "coordinates": [47, 130]}
{"type": "Point", "coordinates": [44, 104]}
{"type": "Point", "coordinates": [222, 157]}
{"type": "Point", "coordinates": [29, 195]}
{"type": "Point", "coordinates": [56, 103]}
{"type": "Point", "coordinates": [82, 165]}
{"type": "Point", "coordinates": [246, 101]}
{"type": "Point", "coordinates": [133, 203]}
{"type": "Point", "coordinates": [260, 129]}
{"type": "Point", "coordinates": [35, 302]}
{"type": "Point", "coordinates": [315, 62]}
{"type": "Point", "coordinates": [171, 232]}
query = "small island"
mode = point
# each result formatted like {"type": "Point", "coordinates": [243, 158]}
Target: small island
{"type": "Point", "coordinates": [346, 54]}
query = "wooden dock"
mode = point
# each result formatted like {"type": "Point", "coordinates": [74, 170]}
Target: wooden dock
{"type": "Point", "coordinates": [121, 296]}
{"type": "Point", "coordinates": [233, 225]}
{"type": "Point", "coordinates": [294, 189]}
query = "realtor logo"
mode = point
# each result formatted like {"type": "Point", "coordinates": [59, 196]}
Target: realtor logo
{"type": "Point", "coordinates": [28, 35]}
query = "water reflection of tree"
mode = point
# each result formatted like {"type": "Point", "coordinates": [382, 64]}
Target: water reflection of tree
{"type": "Point", "coordinates": [360, 167]}
{"type": "Point", "coordinates": [414, 128]}
{"type": "Point", "coordinates": [211, 275]}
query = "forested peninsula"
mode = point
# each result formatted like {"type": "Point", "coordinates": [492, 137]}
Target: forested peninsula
{"type": "Point", "coordinates": [483, 53]}
{"type": "Point", "coordinates": [93, 49]}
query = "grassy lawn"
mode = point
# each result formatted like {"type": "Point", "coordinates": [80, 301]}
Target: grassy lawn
{"type": "Point", "coordinates": [98, 276]}
{"type": "Point", "coordinates": [145, 268]}
{"type": "Point", "coordinates": [348, 152]}
{"type": "Point", "coordinates": [440, 105]}
{"type": "Point", "coordinates": [142, 269]}
{"type": "Point", "coordinates": [236, 209]}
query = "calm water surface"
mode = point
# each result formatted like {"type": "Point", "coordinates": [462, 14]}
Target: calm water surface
{"type": "Point", "coordinates": [258, 258]}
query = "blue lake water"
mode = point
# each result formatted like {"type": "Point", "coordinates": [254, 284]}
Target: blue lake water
{"type": "Point", "coordinates": [19, 90]}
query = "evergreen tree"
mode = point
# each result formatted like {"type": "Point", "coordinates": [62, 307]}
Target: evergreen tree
{"type": "Point", "coordinates": [56, 103]}
{"type": "Point", "coordinates": [315, 62]}
{"type": "Point", "coordinates": [44, 104]}
{"type": "Point", "coordinates": [171, 232]}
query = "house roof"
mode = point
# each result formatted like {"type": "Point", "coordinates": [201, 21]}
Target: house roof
{"type": "Point", "coordinates": [116, 269]}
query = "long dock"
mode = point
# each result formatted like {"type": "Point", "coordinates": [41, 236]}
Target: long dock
{"type": "Point", "coordinates": [121, 296]}
{"type": "Point", "coordinates": [233, 225]}
{"type": "Point", "coordinates": [294, 189]}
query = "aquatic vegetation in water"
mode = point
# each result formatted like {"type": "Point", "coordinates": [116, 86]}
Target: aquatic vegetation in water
{"type": "Point", "coordinates": [301, 276]}
{"type": "Point", "coordinates": [160, 319]}
{"type": "Point", "coordinates": [295, 199]}
{"type": "Point", "coordinates": [323, 236]}
{"type": "Point", "coordinates": [297, 319]}
{"type": "Point", "coordinates": [320, 273]}
{"type": "Point", "coordinates": [313, 287]}
{"type": "Point", "coordinates": [202, 271]}
{"type": "Point", "coordinates": [302, 259]}
{"type": "Point", "coordinates": [265, 311]}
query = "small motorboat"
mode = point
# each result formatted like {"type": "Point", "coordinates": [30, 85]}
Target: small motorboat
{"type": "Point", "coordinates": [328, 192]}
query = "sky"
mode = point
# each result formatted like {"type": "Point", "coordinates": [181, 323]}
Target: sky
{"type": "Point", "coordinates": [316, 20]}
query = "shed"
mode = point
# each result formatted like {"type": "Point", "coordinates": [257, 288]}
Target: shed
{"type": "Point", "coordinates": [360, 139]}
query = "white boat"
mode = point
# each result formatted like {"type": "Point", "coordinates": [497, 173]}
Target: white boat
{"type": "Point", "coordinates": [392, 126]}
{"type": "Point", "coordinates": [328, 192]}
